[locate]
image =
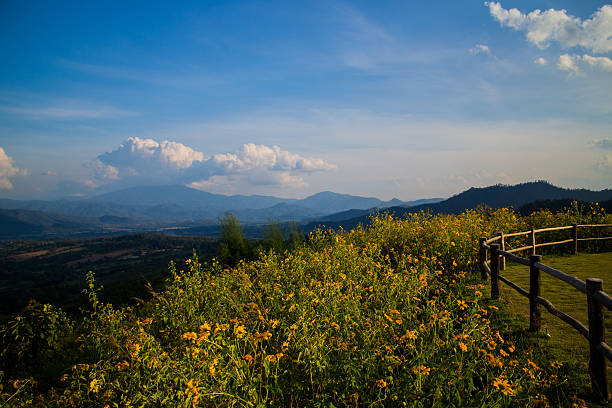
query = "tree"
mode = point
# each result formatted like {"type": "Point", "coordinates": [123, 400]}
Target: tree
{"type": "Point", "coordinates": [233, 247]}
{"type": "Point", "coordinates": [273, 236]}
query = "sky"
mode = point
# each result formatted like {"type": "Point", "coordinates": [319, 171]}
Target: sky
{"type": "Point", "coordinates": [387, 99]}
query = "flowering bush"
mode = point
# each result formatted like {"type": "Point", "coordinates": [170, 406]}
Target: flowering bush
{"type": "Point", "coordinates": [385, 316]}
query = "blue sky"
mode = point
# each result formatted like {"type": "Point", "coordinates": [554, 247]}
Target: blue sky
{"type": "Point", "coordinates": [387, 98]}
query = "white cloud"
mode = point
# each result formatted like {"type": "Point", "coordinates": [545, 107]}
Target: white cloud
{"type": "Point", "coordinates": [541, 61]}
{"type": "Point", "coordinates": [480, 49]}
{"type": "Point", "coordinates": [252, 156]}
{"type": "Point", "coordinates": [8, 170]}
{"type": "Point", "coordinates": [144, 155]}
{"type": "Point", "coordinates": [148, 161]}
{"type": "Point", "coordinates": [568, 63]}
{"type": "Point", "coordinates": [544, 27]}
{"type": "Point", "coordinates": [603, 63]}
{"type": "Point", "coordinates": [573, 63]}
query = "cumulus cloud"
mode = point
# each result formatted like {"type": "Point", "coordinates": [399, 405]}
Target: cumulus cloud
{"type": "Point", "coordinates": [544, 27]}
{"type": "Point", "coordinates": [573, 63]}
{"type": "Point", "coordinates": [480, 49]}
{"type": "Point", "coordinates": [603, 63]}
{"type": "Point", "coordinates": [8, 170]}
{"type": "Point", "coordinates": [147, 154]}
{"type": "Point", "coordinates": [568, 63]}
{"type": "Point", "coordinates": [541, 61]}
{"type": "Point", "coordinates": [252, 156]}
{"type": "Point", "coordinates": [148, 161]}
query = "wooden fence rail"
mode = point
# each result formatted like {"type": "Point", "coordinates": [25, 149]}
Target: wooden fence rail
{"type": "Point", "coordinates": [492, 257]}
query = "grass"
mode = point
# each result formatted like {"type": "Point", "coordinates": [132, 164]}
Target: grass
{"type": "Point", "coordinates": [556, 337]}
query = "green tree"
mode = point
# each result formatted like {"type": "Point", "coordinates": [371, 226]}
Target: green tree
{"type": "Point", "coordinates": [233, 246]}
{"type": "Point", "coordinates": [296, 237]}
{"type": "Point", "coordinates": [273, 236]}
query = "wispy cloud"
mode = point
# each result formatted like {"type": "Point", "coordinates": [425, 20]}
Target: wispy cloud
{"type": "Point", "coordinates": [65, 112]}
{"type": "Point", "coordinates": [367, 45]}
{"type": "Point", "coordinates": [481, 49]}
{"type": "Point", "coordinates": [178, 78]}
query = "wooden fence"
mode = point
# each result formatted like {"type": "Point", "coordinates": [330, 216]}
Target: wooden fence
{"type": "Point", "coordinates": [492, 257]}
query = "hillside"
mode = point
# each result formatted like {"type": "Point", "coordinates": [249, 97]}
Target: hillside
{"type": "Point", "coordinates": [369, 317]}
{"type": "Point", "coordinates": [497, 196]}
{"type": "Point", "coordinates": [19, 224]}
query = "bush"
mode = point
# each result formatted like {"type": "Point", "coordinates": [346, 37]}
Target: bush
{"type": "Point", "coordinates": [389, 315]}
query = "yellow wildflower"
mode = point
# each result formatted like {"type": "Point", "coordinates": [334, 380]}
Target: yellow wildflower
{"type": "Point", "coordinates": [381, 383]}
{"type": "Point", "coordinates": [240, 331]}
{"type": "Point", "coordinates": [94, 385]}
{"type": "Point", "coordinates": [421, 369]}
{"type": "Point", "coordinates": [503, 385]}
{"type": "Point", "coordinates": [190, 336]}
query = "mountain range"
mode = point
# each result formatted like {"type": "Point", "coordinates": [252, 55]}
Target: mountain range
{"type": "Point", "coordinates": [182, 210]}
{"type": "Point", "coordinates": [524, 197]}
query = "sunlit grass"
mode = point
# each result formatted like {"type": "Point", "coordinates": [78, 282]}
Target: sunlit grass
{"type": "Point", "coordinates": [557, 337]}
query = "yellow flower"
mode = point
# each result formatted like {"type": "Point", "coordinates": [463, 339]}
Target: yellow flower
{"type": "Point", "coordinates": [421, 369]}
{"type": "Point", "coordinates": [556, 364]}
{"type": "Point", "coordinates": [94, 385]}
{"type": "Point", "coordinates": [262, 336]}
{"type": "Point", "coordinates": [503, 385]}
{"type": "Point", "coordinates": [212, 365]}
{"type": "Point", "coordinates": [463, 347]}
{"type": "Point", "coordinates": [381, 383]}
{"type": "Point", "coordinates": [239, 331]}
{"type": "Point", "coordinates": [190, 336]}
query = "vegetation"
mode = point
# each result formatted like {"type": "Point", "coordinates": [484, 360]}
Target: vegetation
{"type": "Point", "coordinates": [389, 315]}
{"type": "Point", "coordinates": [54, 271]}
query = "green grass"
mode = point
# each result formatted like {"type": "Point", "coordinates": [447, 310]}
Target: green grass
{"type": "Point", "coordinates": [556, 337]}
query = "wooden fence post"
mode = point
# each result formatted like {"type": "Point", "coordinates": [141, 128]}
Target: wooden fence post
{"type": "Point", "coordinates": [535, 316]}
{"type": "Point", "coordinates": [597, 360]}
{"type": "Point", "coordinates": [502, 265]}
{"type": "Point", "coordinates": [575, 238]}
{"type": "Point", "coordinates": [494, 271]}
{"type": "Point", "coordinates": [533, 252]}
{"type": "Point", "coordinates": [482, 258]}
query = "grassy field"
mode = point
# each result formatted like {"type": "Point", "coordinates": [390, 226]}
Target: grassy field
{"type": "Point", "coordinates": [556, 336]}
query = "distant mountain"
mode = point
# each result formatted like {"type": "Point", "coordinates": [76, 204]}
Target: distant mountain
{"type": "Point", "coordinates": [418, 202]}
{"type": "Point", "coordinates": [19, 224]}
{"type": "Point", "coordinates": [174, 203]}
{"type": "Point", "coordinates": [280, 212]}
{"type": "Point", "coordinates": [185, 197]}
{"type": "Point", "coordinates": [325, 202]}
{"type": "Point", "coordinates": [494, 197]}
{"type": "Point", "coordinates": [511, 196]}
